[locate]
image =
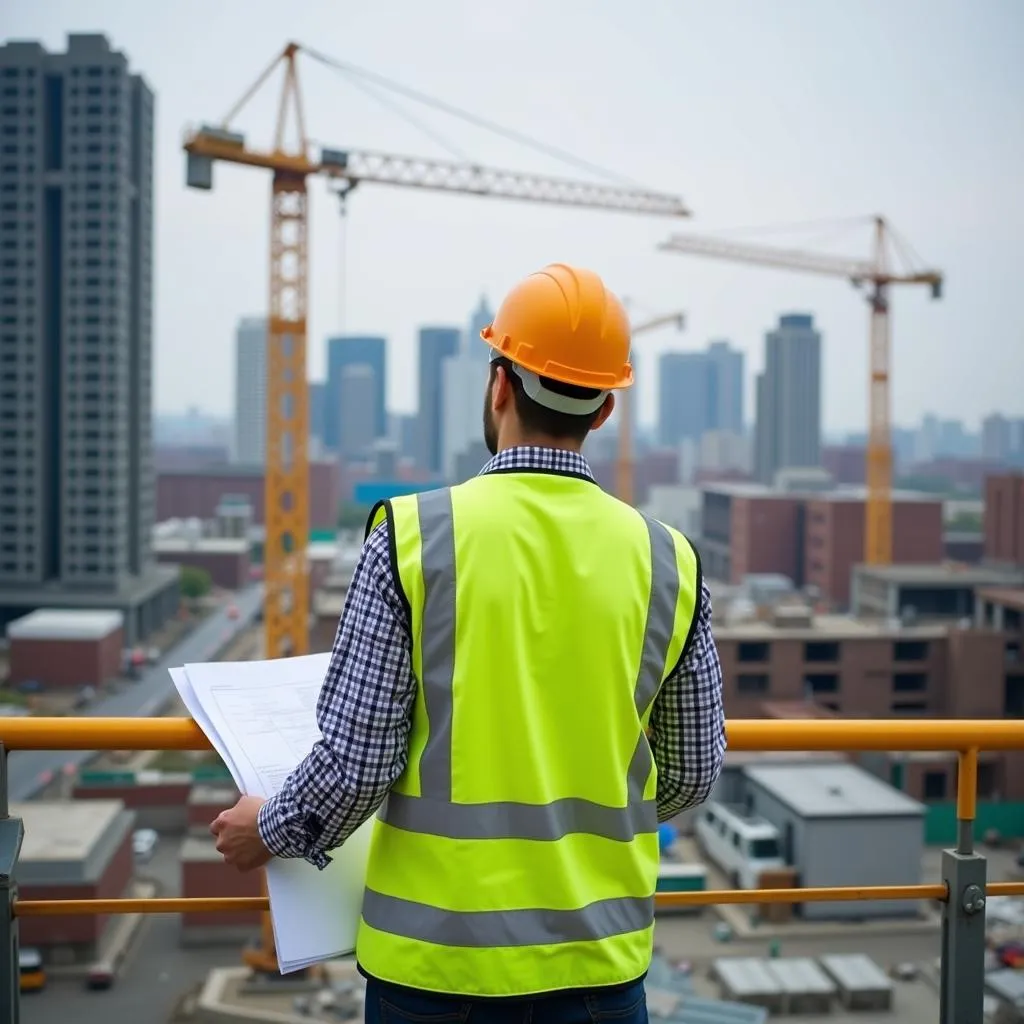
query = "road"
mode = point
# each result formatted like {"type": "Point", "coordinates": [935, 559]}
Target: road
{"type": "Point", "coordinates": [154, 975]}
{"type": "Point", "coordinates": [27, 769]}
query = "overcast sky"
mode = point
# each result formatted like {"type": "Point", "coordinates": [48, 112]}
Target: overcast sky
{"type": "Point", "coordinates": [756, 113]}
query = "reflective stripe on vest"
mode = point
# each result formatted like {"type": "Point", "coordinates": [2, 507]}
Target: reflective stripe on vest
{"type": "Point", "coordinates": [434, 813]}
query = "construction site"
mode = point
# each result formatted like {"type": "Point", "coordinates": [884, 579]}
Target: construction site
{"type": "Point", "coordinates": [821, 880]}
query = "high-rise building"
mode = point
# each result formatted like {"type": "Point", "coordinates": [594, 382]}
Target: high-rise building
{"type": "Point", "coordinates": [480, 318]}
{"type": "Point", "coordinates": [76, 270]}
{"type": "Point", "coordinates": [699, 392]}
{"type": "Point", "coordinates": [464, 383]}
{"type": "Point", "coordinates": [250, 439]}
{"type": "Point", "coordinates": [436, 344]}
{"type": "Point", "coordinates": [354, 350]}
{"type": "Point", "coordinates": [726, 388]}
{"type": "Point", "coordinates": [685, 396]}
{"type": "Point", "coordinates": [359, 411]}
{"type": "Point", "coordinates": [788, 431]}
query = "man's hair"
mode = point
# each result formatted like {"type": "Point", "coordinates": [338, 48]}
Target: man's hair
{"type": "Point", "coordinates": [538, 419]}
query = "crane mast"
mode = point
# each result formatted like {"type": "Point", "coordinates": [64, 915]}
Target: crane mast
{"type": "Point", "coordinates": [878, 275]}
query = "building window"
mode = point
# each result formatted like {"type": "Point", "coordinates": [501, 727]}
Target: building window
{"type": "Point", "coordinates": [935, 785]}
{"type": "Point", "coordinates": [821, 651]}
{"type": "Point", "coordinates": [909, 682]}
{"type": "Point", "coordinates": [909, 650]}
{"type": "Point", "coordinates": [752, 652]}
{"type": "Point", "coordinates": [821, 682]}
{"type": "Point", "coordinates": [750, 684]}
{"type": "Point", "coordinates": [1013, 698]}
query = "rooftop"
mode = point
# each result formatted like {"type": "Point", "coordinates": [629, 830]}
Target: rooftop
{"type": "Point", "coordinates": [839, 790]}
{"type": "Point", "coordinates": [828, 627]}
{"type": "Point", "coordinates": [65, 624]}
{"type": "Point", "coordinates": [750, 489]}
{"type": "Point", "coordinates": [201, 849]}
{"type": "Point", "coordinates": [1006, 596]}
{"type": "Point", "coordinates": [943, 573]}
{"type": "Point", "coordinates": [237, 546]}
{"type": "Point", "coordinates": [64, 830]}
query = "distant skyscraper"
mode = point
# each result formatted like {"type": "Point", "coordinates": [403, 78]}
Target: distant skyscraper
{"type": "Point", "coordinates": [436, 344]}
{"type": "Point", "coordinates": [699, 392]}
{"type": "Point", "coordinates": [726, 387]}
{"type": "Point", "coordinates": [352, 350]}
{"type": "Point", "coordinates": [358, 404]}
{"type": "Point", "coordinates": [480, 318]}
{"type": "Point", "coordinates": [250, 439]}
{"type": "Point", "coordinates": [464, 383]}
{"type": "Point", "coordinates": [788, 432]}
{"type": "Point", "coordinates": [76, 241]}
{"type": "Point", "coordinates": [685, 396]}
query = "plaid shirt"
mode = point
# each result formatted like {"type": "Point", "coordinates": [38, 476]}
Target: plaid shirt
{"type": "Point", "coordinates": [365, 707]}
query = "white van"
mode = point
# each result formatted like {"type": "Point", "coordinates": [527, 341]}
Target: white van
{"type": "Point", "coordinates": [743, 846]}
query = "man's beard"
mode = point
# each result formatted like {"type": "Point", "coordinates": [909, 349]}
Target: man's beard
{"type": "Point", "coordinates": [490, 430]}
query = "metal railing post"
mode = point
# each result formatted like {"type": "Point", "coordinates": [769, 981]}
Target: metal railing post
{"type": "Point", "coordinates": [11, 834]}
{"type": "Point", "coordinates": [962, 979]}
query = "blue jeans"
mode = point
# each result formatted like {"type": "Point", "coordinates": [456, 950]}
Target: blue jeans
{"type": "Point", "coordinates": [387, 1004]}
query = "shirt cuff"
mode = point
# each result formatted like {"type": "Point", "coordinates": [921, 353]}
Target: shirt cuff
{"type": "Point", "coordinates": [275, 831]}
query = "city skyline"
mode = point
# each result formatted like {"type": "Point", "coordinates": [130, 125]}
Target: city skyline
{"type": "Point", "coordinates": [414, 258]}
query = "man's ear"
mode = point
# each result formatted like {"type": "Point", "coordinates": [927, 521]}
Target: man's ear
{"type": "Point", "coordinates": [604, 412]}
{"type": "Point", "coordinates": [501, 393]}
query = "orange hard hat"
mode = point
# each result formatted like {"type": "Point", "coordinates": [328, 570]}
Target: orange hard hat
{"type": "Point", "coordinates": [563, 323]}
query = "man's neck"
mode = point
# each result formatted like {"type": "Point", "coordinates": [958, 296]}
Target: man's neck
{"type": "Point", "coordinates": [536, 441]}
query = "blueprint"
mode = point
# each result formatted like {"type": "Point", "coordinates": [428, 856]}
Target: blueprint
{"type": "Point", "coordinates": [260, 716]}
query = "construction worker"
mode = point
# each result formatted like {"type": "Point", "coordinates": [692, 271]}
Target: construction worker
{"type": "Point", "coordinates": [525, 670]}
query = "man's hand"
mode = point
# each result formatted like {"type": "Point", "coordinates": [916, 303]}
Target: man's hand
{"type": "Point", "coordinates": [238, 839]}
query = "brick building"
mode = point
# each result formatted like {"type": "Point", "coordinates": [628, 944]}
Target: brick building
{"type": "Point", "coordinates": [204, 873]}
{"type": "Point", "coordinates": [812, 539]}
{"type": "Point", "coordinates": [62, 648]}
{"type": "Point", "coordinates": [226, 559]}
{"type": "Point", "coordinates": [834, 540]}
{"type": "Point", "coordinates": [1004, 518]}
{"type": "Point", "coordinates": [197, 493]}
{"type": "Point", "coordinates": [72, 851]}
{"type": "Point", "coordinates": [881, 669]}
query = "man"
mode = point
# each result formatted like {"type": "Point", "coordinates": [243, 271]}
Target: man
{"type": "Point", "coordinates": [515, 657]}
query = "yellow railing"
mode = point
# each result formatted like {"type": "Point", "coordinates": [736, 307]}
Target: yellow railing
{"type": "Point", "coordinates": [965, 738]}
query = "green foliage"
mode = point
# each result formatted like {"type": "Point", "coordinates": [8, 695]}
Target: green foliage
{"type": "Point", "coordinates": [195, 582]}
{"type": "Point", "coordinates": [968, 522]}
{"type": "Point", "coordinates": [352, 516]}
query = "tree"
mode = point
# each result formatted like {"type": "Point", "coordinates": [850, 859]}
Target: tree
{"type": "Point", "coordinates": [195, 582]}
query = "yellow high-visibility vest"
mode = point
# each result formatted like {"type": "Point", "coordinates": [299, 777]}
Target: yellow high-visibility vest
{"type": "Point", "coordinates": [518, 853]}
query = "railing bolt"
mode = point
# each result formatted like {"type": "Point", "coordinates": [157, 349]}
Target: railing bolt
{"type": "Point", "coordinates": [974, 899]}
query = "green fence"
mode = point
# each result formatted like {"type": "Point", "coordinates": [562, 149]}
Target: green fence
{"type": "Point", "coordinates": [1007, 818]}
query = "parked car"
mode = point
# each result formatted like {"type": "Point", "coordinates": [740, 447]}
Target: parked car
{"type": "Point", "coordinates": [30, 969]}
{"type": "Point", "coordinates": [100, 976]}
{"type": "Point", "coordinates": [144, 842]}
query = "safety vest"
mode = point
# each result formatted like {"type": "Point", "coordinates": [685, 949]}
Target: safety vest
{"type": "Point", "coordinates": [517, 853]}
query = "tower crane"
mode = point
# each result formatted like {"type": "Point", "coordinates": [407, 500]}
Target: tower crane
{"type": "Point", "coordinates": [624, 464]}
{"type": "Point", "coordinates": [877, 273]}
{"type": "Point", "coordinates": [286, 512]}
{"type": "Point", "coordinates": [287, 465]}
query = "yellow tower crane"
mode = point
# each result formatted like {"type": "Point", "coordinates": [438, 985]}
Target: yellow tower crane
{"type": "Point", "coordinates": [287, 464]}
{"type": "Point", "coordinates": [624, 462]}
{"type": "Point", "coordinates": [286, 513]}
{"type": "Point", "coordinates": [877, 272]}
